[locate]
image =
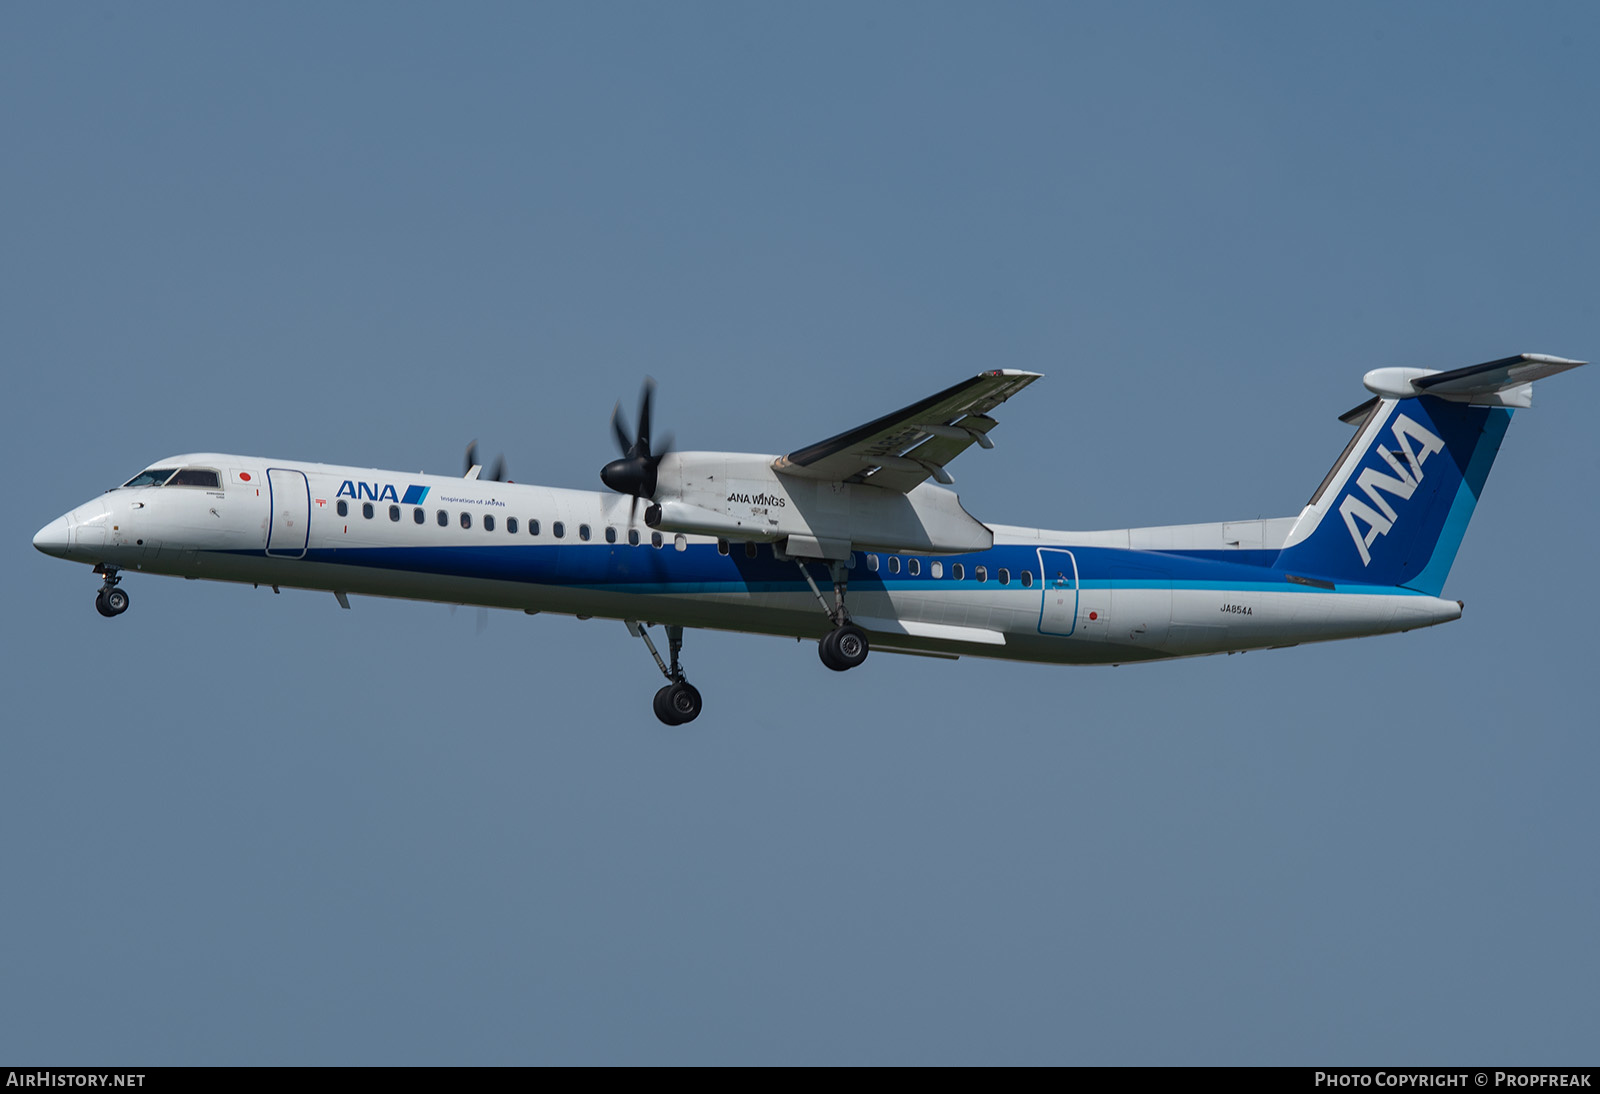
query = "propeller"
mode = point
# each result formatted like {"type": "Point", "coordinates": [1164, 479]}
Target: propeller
{"type": "Point", "coordinates": [497, 473]}
{"type": "Point", "coordinates": [635, 472]}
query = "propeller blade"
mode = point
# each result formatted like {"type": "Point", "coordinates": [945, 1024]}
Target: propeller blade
{"type": "Point", "coordinates": [498, 472]}
{"type": "Point", "coordinates": [647, 398]}
{"type": "Point", "coordinates": [635, 472]}
{"type": "Point", "coordinates": [472, 457]}
{"type": "Point", "coordinates": [620, 427]}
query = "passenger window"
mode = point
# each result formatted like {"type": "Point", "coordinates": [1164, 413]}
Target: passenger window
{"type": "Point", "coordinates": [366, 509]}
{"type": "Point", "coordinates": [193, 476]}
{"type": "Point", "coordinates": [894, 564]}
{"type": "Point", "coordinates": [343, 507]}
{"type": "Point", "coordinates": [418, 516]}
{"type": "Point", "coordinates": [394, 513]}
{"type": "Point", "coordinates": [936, 569]}
{"type": "Point", "coordinates": [872, 563]}
{"type": "Point", "coordinates": [722, 546]}
{"type": "Point", "coordinates": [583, 532]}
{"type": "Point", "coordinates": [611, 534]}
{"type": "Point", "coordinates": [466, 520]}
{"type": "Point", "coordinates": [488, 522]}
{"type": "Point", "coordinates": [913, 566]}
{"type": "Point", "coordinates": [980, 574]}
{"type": "Point", "coordinates": [656, 541]}
{"type": "Point", "coordinates": [1027, 579]}
{"type": "Point", "coordinates": [633, 537]}
{"type": "Point", "coordinates": [957, 571]}
{"type": "Point", "coordinates": [511, 525]}
{"type": "Point", "coordinates": [558, 529]}
{"type": "Point", "coordinates": [1005, 576]}
{"type": "Point", "coordinates": [680, 542]}
{"type": "Point", "coordinates": [749, 550]}
{"type": "Point", "coordinates": [444, 519]}
{"type": "Point", "coordinates": [533, 527]}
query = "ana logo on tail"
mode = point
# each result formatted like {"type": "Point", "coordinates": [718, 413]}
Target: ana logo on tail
{"type": "Point", "coordinates": [1402, 484]}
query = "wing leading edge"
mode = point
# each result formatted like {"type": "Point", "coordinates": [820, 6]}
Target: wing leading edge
{"type": "Point", "coordinates": [900, 451]}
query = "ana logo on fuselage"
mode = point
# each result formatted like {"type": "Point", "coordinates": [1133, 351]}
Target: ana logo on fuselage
{"type": "Point", "coordinates": [373, 491]}
{"type": "Point", "coordinates": [1380, 516]}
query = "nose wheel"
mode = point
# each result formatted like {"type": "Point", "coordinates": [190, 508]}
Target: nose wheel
{"type": "Point", "coordinates": [110, 601]}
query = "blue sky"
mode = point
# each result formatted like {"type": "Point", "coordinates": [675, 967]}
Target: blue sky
{"type": "Point", "coordinates": [241, 828]}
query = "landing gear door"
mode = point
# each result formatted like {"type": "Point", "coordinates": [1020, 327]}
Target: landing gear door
{"type": "Point", "coordinates": [1058, 614]}
{"type": "Point", "coordinates": [289, 494]}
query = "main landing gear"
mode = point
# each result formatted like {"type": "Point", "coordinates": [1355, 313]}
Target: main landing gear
{"type": "Point", "coordinates": [110, 601]}
{"type": "Point", "coordinates": [679, 701]}
{"type": "Point", "coordinates": [845, 646]}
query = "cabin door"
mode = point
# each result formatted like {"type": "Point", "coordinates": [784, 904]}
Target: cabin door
{"type": "Point", "coordinates": [1058, 614]}
{"type": "Point", "coordinates": [290, 497]}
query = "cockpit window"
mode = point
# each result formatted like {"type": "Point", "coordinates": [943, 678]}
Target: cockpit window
{"type": "Point", "coordinates": [153, 477]}
{"type": "Point", "coordinates": [195, 476]}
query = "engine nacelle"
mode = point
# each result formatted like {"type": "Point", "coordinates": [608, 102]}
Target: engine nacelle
{"type": "Point", "coordinates": [736, 495]}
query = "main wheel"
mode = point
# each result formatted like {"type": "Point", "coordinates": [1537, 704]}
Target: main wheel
{"type": "Point", "coordinates": [659, 705]}
{"type": "Point", "coordinates": [116, 601]}
{"type": "Point", "coordinates": [843, 647]}
{"type": "Point", "coordinates": [100, 604]}
{"type": "Point", "coordinates": [850, 644]}
{"type": "Point", "coordinates": [683, 702]}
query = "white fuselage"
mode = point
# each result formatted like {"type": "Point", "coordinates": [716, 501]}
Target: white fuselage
{"type": "Point", "coordinates": [1062, 597]}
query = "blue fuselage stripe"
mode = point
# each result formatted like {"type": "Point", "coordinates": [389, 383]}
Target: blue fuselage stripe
{"type": "Point", "coordinates": [701, 568]}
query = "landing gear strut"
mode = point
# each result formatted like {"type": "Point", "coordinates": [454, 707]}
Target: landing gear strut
{"type": "Point", "coordinates": [679, 701]}
{"type": "Point", "coordinates": [110, 601]}
{"type": "Point", "coordinates": [845, 646]}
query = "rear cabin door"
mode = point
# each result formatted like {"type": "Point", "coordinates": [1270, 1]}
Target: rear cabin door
{"type": "Point", "coordinates": [289, 494]}
{"type": "Point", "coordinates": [1058, 614]}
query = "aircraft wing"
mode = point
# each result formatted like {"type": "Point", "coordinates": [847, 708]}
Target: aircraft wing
{"type": "Point", "coordinates": [899, 451]}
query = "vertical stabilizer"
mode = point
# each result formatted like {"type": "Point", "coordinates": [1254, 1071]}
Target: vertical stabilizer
{"type": "Point", "coordinates": [1394, 510]}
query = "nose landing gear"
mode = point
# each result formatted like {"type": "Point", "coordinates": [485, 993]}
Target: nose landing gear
{"type": "Point", "coordinates": [679, 701]}
{"type": "Point", "coordinates": [110, 601]}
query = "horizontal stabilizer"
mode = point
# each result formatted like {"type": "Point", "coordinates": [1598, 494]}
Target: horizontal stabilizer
{"type": "Point", "coordinates": [1499, 375]}
{"type": "Point", "coordinates": [1505, 382]}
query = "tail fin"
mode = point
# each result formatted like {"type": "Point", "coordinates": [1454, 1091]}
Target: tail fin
{"type": "Point", "coordinates": [1393, 510]}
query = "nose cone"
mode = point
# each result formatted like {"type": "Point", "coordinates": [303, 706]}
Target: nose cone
{"type": "Point", "coordinates": [54, 538]}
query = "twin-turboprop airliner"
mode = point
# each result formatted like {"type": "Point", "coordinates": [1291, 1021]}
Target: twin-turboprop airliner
{"type": "Point", "coordinates": [845, 541]}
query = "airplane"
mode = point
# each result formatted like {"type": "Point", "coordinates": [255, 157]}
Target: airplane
{"type": "Point", "coordinates": [845, 541]}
